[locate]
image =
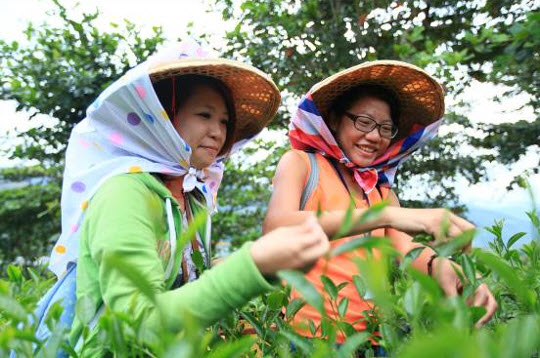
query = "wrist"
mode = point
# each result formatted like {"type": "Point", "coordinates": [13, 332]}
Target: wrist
{"type": "Point", "coordinates": [386, 217]}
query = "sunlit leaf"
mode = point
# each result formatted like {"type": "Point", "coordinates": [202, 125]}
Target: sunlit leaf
{"type": "Point", "coordinates": [514, 238]}
{"type": "Point", "coordinates": [85, 309]}
{"type": "Point", "coordinates": [132, 273]}
{"type": "Point", "coordinates": [11, 308]}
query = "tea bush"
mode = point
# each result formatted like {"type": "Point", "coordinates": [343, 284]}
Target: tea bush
{"type": "Point", "coordinates": [411, 316]}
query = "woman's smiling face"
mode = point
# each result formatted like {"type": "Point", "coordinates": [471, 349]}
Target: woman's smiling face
{"type": "Point", "coordinates": [360, 147]}
{"type": "Point", "coordinates": [202, 123]}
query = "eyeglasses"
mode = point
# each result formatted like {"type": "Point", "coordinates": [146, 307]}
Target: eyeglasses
{"type": "Point", "coordinates": [365, 124]}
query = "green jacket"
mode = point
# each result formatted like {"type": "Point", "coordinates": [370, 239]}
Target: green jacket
{"type": "Point", "coordinates": [127, 217]}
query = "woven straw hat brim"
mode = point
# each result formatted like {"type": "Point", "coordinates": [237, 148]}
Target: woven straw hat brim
{"type": "Point", "coordinates": [420, 96]}
{"type": "Point", "coordinates": [256, 97]}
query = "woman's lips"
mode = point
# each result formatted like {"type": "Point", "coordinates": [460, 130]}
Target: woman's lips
{"type": "Point", "coordinates": [366, 149]}
{"type": "Point", "coordinates": [213, 150]}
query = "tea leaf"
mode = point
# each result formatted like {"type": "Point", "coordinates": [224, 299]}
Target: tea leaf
{"type": "Point", "coordinates": [509, 276]}
{"type": "Point", "coordinates": [300, 283]}
{"type": "Point", "coordinates": [343, 305]}
{"type": "Point", "coordinates": [329, 286]}
{"type": "Point", "coordinates": [363, 242]}
{"type": "Point", "coordinates": [275, 300]}
{"type": "Point", "coordinates": [130, 272]}
{"type": "Point", "coordinates": [348, 222]}
{"type": "Point", "coordinates": [350, 346]}
{"type": "Point", "coordinates": [428, 284]}
{"type": "Point", "coordinates": [456, 244]}
{"type": "Point", "coordinates": [411, 256]}
{"type": "Point", "coordinates": [298, 341]}
{"type": "Point", "coordinates": [85, 309]}
{"type": "Point", "coordinates": [253, 322]}
{"type": "Point", "coordinates": [11, 308]}
{"type": "Point", "coordinates": [360, 285]}
{"type": "Point", "coordinates": [468, 269]}
{"type": "Point", "coordinates": [293, 307]}
{"type": "Point", "coordinates": [232, 349]}
{"type": "Point", "coordinates": [512, 240]}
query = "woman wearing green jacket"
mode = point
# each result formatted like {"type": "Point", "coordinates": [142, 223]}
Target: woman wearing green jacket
{"type": "Point", "coordinates": [146, 162]}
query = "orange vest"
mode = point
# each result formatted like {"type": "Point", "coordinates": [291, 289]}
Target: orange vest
{"type": "Point", "coordinates": [331, 194]}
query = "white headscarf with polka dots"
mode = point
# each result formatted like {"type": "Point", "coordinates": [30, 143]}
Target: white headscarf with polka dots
{"type": "Point", "coordinates": [126, 130]}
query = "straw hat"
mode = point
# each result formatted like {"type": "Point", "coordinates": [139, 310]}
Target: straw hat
{"type": "Point", "coordinates": [256, 98]}
{"type": "Point", "coordinates": [420, 96]}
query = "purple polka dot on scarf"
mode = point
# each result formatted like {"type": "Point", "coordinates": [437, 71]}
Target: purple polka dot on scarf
{"type": "Point", "coordinates": [149, 118]}
{"type": "Point", "coordinates": [133, 118]}
{"type": "Point", "coordinates": [78, 187]}
{"type": "Point", "coordinates": [182, 55]}
{"type": "Point", "coordinates": [212, 185]}
{"type": "Point", "coordinates": [74, 227]}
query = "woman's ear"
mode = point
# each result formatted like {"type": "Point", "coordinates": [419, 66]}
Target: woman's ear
{"type": "Point", "coordinates": [332, 121]}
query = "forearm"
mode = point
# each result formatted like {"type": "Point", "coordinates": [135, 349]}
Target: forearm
{"type": "Point", "coordinates": [330, 221]}
{"type": "Point", "coordinates": [218, 291]}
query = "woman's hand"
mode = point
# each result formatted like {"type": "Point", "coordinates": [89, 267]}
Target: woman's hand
{"type": "Point", "coordinates": [430, 221]}
{"type": "Point", "coordinates": [446, 276]}
{"type": "Point", "coordinates": [293, 247]}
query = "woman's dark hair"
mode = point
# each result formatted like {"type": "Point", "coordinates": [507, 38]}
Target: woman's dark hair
{"type": "Point", "coordinates": [344, 102]}
{"type": "Point", "coordinates": [185, 87]}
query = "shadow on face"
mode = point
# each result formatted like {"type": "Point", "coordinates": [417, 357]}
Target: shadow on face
{"type": "Point", "coordinates": [204, 115]}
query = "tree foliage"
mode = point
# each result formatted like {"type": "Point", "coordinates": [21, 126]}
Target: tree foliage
{"type": "Point", "coordinates": [57, 71]}
{"type": "Point", "coordinates": [302, 42]}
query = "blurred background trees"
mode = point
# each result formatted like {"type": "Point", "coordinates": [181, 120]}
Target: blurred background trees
{"type": "Point", "coordinates": [60, 69]}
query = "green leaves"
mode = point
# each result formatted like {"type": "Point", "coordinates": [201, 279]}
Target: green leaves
{"type": "Point", "coordinates": [299, 282]}
{"type": "Point", "coordinates": [9, 307]}
{"type": "Point", "coordinates": [526, 296]}
{"type": "Point", "coordinates": [130, 272]}
{"type": "Point", "coordinates": [366, 242]}
{"type": "Point", "coordinates": [409, 311]}
{"type": "Point", "coordinates": [329, 287]}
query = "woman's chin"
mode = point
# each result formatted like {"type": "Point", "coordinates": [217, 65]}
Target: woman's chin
{"type": "Point", "coordinates": [203, 162]}
{"type": "Point", "coordinates": [362, 160]}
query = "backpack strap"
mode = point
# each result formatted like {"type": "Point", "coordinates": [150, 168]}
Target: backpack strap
{"type": "Point", "coordinates": [312, 181]}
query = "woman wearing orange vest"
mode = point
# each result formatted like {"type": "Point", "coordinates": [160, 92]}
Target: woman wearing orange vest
{"type": "Point", "coordinates": [354, 128]}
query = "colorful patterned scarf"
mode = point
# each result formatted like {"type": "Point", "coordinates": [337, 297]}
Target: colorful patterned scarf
{"type": "Point", "coordinates": [308, 131]}
{"type": "Point", "coordinates": [126, 130]}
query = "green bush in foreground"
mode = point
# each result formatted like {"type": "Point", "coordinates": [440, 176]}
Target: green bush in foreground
{"type": "Point", "coordinates": [414, 318]}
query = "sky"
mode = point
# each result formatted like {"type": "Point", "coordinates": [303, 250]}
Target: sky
{"type": "Point", "coordinates": [486, 201]}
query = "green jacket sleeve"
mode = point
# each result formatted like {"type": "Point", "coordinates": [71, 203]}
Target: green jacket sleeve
{"type": "Point", "coordinates": [123, 220]}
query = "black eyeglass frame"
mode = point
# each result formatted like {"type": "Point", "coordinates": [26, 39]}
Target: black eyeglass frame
{"type": "Point", "coordinates": [355, 117]}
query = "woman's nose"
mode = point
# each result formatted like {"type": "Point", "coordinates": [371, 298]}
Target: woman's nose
{"type": "Point", "coordinates": [374, 135]}
{"type": "Point", "coordinates": [217, 130]}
